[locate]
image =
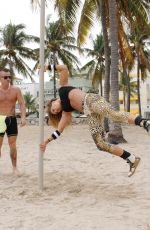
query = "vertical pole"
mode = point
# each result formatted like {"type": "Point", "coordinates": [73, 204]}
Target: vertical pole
{"type": "Point", "coordinates": [41, 91]}
{"type": "Point", "coordinates": [54, 84]}
{"type": "Point", "coordinates": [54, 62]}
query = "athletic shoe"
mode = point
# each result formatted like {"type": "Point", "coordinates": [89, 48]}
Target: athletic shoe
{"type": "Point", "coordinates": [133, 166]}
{"type": "Point", "coordinates": [146, 125]}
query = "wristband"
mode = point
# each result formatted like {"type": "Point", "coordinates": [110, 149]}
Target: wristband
{"type": "Point", "coordinates": [55, 67]}
{"type": "Point", "coordinates": [55, 134]}
{"type": "Point", "coordinates": [49, 67]}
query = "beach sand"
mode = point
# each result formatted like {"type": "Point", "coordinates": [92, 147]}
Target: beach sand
{"type": "Point", "coordinates": [84, 189]}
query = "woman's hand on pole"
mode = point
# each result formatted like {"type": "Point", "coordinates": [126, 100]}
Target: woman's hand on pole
{"type": "Point", "coordinates": [43, 147]}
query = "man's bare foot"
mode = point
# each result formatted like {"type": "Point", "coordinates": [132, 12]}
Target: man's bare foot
{"type": "Point", "coordinates": [16, 172]}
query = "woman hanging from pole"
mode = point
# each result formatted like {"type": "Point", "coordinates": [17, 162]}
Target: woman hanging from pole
{"type": "Point", "coordinates": [96, 108]}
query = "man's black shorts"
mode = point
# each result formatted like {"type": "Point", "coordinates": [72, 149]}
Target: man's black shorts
{"type": "Point", "coordinates": [12, 127]}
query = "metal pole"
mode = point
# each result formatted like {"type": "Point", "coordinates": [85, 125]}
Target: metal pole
{"type": "Point", "coordinates": [54, 62]}
{"type": "Point", "coordinates": [41, 91]}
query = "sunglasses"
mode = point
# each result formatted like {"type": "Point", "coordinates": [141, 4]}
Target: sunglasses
{"type": "Point", "coordinates": [6, 77]}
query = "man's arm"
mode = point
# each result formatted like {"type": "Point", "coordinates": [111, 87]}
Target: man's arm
{"type": "Point", "coordinates": [22, 107]}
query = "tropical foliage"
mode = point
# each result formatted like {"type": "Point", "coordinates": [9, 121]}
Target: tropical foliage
{"type": "Point", "coordinates": [58, 46]}
{"type": "Point", "coordinates": [118, 19]}
{"type": "Point", "coordinates": [30, 103]}
{"type": "Point", "coordinates": [95, 67]}
{"type": "Point", "coordinates": [13, 49]}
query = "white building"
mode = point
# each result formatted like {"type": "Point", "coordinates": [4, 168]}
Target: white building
{"type": "Point", "coordinates": [145, 97]}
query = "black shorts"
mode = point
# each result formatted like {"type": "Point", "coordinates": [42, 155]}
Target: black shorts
{"type": "Point", "coordinates": [12, 127]}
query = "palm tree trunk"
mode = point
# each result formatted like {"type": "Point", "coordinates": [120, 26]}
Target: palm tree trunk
{"type": "Point", "coordinates": [128, 93]}
{"type": "Point", "coordinates": [124, 100]}
{"type": "Point", "coordinates": [115, 135]}
{"type": "Point", "coordinates": [138, 87]}
{"type": "Point", "coordinates": [106, 52]}
{"type": "Point", "coordinates": [107, 58]}
{"type": "Point", "coordinates": [54, 84]}
{"type": "Point", "coordinates": [127, 80]}
{"type": "Point", "coordinates": [11, 70]}
{"type": "Point", "coordinates": [100, 88]}
{"type": "Point", "coordinates": [54, 75]}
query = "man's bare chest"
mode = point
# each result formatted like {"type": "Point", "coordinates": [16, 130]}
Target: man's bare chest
{"type": "Point", "coordinates": [8, 97]}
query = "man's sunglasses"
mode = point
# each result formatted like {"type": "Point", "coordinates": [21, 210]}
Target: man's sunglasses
{"type": "Point", "coordinates": [6, 77]}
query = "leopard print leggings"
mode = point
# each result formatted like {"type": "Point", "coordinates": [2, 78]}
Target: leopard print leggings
{"type": "Point", "coordinates": [96, 109]}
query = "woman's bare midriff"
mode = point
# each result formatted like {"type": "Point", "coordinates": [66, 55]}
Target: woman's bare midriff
{"type": "Point", "coordinates": [76, 97]}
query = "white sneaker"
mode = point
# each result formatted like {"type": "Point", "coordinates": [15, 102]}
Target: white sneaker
{"type": "Point", "coordinates": [147, 125]}
{"type": "Point", "coordinates": [133, 166]}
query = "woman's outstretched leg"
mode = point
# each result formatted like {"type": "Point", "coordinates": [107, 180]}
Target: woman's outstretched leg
{"type": "Point", "coordinates": [100, 106]}
{"type": "Point", "coordinates": [97, 108]}
{"type": "Point", "coordinates": [97, 131]}
{"type": "Point", "coordinates": [130, 158]}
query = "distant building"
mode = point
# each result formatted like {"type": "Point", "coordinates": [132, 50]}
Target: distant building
{"type": "Point", "coordinates": [145, 98]}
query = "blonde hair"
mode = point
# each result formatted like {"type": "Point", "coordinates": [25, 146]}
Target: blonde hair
{"type": "Point", "coordinates": [53, 119]}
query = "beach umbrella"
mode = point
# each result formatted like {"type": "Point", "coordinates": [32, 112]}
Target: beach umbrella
{"type": "Point", "coordinates": [41, 91]}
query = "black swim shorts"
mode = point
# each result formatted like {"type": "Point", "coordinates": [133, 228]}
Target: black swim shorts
{"type": "Point", "coordinates": [12, 127]}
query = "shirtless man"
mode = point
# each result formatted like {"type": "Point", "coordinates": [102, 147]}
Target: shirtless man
{"type": "Point", "coordinates": [9, 95]}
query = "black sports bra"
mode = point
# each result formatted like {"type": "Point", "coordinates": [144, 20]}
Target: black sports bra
{"type": "Point", "coordinates": [65, 102]}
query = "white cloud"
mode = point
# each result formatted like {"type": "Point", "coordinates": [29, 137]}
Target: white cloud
{"type": "Point", "coordinates": [20, 11]}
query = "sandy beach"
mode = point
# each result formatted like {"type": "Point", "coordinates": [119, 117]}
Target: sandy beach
{"type": "Point", "coordinates": [84, 189]}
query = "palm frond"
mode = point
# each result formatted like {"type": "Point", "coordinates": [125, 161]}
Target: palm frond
{"type": "Point", "coordinates": [23, 68]}
{"type": "Point", "coordinates": [86, 20]}
{"type": "Point", "coordinates": [13, 39]}
{"type": "Point", "coordinates": [67, 10]}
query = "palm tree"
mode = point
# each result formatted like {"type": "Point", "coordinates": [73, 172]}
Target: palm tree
{"type": "Point", "coordinates": [123, 86]}
{"type": "Point", "coordinates": [67, 12]}
{"type": "Point", "coordinates": [138, 38]}
{"type": "Point", "coordinates": [59, 47]}
{"type": "Point", "coordinates": [13, 50]}
{"type": "Point", "coordinates": [104, 21]}
{"type": "Point", "coordinates": [115, 135]}
{"type": "Point", "coordinates": [124, 9]}
{"type": "Point", "coordinates": [130, 10]}
{"type": "Point", "coordinates": [95, 66]}
{"type": "Point", "coordinates": [30, 102]}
